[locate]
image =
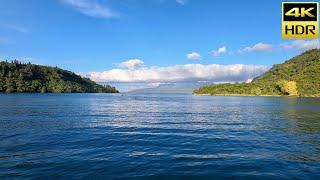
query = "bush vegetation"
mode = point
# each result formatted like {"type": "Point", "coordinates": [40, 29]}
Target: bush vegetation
{"type": "Point", "coordinates": [299, 76]}
{"type": "Point", "coordinates": [29, 78]}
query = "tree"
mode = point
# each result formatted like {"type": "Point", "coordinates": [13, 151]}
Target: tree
{"type": "Point", "coordinates": [256, 91]}
{"type": "Point", "coordinates": [287, 87]}
{"type": "Point", "coordinates": [18, 77]}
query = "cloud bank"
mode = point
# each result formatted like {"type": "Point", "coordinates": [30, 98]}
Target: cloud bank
{"type": "Point", "coordinates": [90, 8]}
{"type": "Point", "coordinates": [178, 73]}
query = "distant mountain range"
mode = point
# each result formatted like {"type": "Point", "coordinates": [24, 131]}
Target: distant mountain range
{"type": "Point", "coordinates": [299, 76]}
{"type": "Point", "coordinates": [29, 78]}
{"type": "Point", "coordinates": [171, 88]}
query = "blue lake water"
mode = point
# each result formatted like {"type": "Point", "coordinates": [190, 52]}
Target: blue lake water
{"type": "Point", "coordinates": [158, 136]}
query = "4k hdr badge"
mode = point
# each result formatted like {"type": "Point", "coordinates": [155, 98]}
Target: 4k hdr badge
{"type": "Point", "coordinates": [300, 20]}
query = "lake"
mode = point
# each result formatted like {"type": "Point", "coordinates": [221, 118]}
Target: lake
{"type": "Point", "coordinates": [158, 136]}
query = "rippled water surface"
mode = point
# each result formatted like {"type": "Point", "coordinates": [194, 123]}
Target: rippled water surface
{"type": "Point", "coordinates": [158, 136]}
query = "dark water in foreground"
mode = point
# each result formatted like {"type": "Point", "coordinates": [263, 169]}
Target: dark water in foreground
{"type": "Point", "coordinates": [158, 136]}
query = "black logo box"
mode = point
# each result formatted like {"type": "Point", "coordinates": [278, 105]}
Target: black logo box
{"type": "Point", "coordinates": [288, 6]}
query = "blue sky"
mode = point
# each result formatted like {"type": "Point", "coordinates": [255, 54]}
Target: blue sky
{"type": "Point", "coordinates": [97, 35]}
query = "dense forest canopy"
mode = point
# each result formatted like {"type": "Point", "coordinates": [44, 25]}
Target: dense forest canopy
{"type": "Point", "coordinates": [16, 76]}
{"type": "Point", "coordinates": [299, 76]}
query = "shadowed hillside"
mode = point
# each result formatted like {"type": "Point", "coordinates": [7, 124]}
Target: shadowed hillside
{"type": "Point", "coordinates": [18, 77]}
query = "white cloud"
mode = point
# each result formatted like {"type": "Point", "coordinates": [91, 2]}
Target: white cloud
{"type": "Point", "coordinates": [4, 40]}
{"type": "Point", "coordinates": [90, 8]}
{"type": "Point", "coordinates": [259, 47]}
{"type": "Point", "coordinates": [220, 51]}
{"type": "Point", "coordinates": [179, 73]}
{"type": "Point", "coordinates": [182, 2]}
{"type": "Point", "coordinates": [15, 28]}
{"type": "Point", "coordinates": [194, 56]}
{"type": "Point", "coordinates": [298, 45]}
{"type": "Point", "coordinates": [301, 45]}
{"type": "Point", "coordinates": [131, 64]}
{"type": "Point", "coordinates": [249, 80]}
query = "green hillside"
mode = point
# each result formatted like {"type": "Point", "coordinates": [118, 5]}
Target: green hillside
{"type": "Point", "coordinates": [299, 76]}
{"type": "Point", "coordinates": [18, 77]}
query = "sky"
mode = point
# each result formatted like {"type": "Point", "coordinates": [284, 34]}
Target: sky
{"type": "Point", "coordinates": [149, 41]}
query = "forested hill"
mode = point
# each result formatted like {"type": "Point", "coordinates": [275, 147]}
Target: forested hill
{"type": "Point", "coordinates": [299, 76]}
{"type": "Point", "coordinates": [18, 77]}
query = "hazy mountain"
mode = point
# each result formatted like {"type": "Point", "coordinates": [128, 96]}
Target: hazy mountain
{"type": "Point", "coordinates": [178, 87]}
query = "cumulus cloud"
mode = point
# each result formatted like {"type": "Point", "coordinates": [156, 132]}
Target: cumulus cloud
{"type": "Point", "coordinates": [90, 8]}
{"type": "Point", "coordinates": [259, 47]}
{"type": "Point", "coordinates": [220, 51]}
{"type": "Point", "coordinates": [301, 45]}
{"type": "Point", "coordinates": [131, 64]}
{"type": "Point", "coordinates": [194, 56]}
{"type": "Point", "coordinates": [179, 73]}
